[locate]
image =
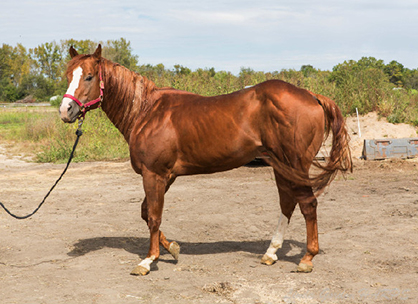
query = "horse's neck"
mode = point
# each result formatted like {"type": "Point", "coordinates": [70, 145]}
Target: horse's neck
{"type": "Point", "coordinates": [127, 95]}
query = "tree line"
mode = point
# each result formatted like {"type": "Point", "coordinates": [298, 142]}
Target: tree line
{"type": "Point", "coordinates": [367, 84]}
{"type": "Point", "coordinates": [40, 71]}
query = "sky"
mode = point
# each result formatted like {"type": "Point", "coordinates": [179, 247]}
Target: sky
{"type": "Point", "coordinates": [228, 35]}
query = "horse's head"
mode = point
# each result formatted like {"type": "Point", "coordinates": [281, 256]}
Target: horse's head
{"type": "Point", "coordinates": [85, 86]}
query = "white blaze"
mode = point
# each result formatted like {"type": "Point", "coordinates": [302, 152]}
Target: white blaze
{"type": "Point", "coordinates": [77, 73]}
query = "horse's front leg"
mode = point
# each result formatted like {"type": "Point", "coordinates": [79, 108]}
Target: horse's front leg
{"type": "Point", "coordinates": [172, 247]}
{"type": "Point", "coordinates": [152, 209]}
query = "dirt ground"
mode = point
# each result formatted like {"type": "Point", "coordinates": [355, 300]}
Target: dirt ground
{"type": "Point", "coordinates": [83, 243]}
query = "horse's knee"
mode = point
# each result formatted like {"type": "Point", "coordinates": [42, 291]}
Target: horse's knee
{"type": "Point", "coordinates": [154, 224]}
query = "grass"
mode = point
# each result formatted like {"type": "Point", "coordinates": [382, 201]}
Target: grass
{"type": "Point", "coordinates": [39, 133]}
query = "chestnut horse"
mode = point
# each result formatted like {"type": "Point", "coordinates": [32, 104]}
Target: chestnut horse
{"type": "Point", "coordinates": [172, 133]}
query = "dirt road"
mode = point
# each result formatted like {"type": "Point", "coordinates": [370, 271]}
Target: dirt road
{"type": "Point", "coordinates": [82, 245]}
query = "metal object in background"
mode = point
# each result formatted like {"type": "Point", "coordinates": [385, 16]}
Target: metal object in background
{"type": "Point", "coordinates": [375, 149]}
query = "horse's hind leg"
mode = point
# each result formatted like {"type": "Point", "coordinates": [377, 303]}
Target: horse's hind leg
{"type": "Point", "coordinates": [287, 206]}
{"type": "Point", "coordinates": [270, 257]}
{"type": "Point", "coordinates": [307, 203]}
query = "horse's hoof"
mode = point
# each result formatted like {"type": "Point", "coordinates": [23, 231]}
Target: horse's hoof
{"type": "Point", "coordinates": [305, 268]}
{"type": "Point", "coordinates": [140, 271]}
{"type": "Point", "coordinates": [268, 260]}
{"type": "Point", "coordinates": [174, 249]}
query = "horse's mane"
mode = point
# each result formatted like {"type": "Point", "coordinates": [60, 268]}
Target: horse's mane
{"type": "Point", "coordinates": [126, 94]}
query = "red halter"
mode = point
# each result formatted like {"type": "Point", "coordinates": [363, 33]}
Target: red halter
{"type": "Point", "coordinates": [86, 107]}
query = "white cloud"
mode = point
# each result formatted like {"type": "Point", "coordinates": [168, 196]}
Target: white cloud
{"type": "Point", "coordinates": [211, 17]}
{"type": "Point", "coordinates": [226, 34]}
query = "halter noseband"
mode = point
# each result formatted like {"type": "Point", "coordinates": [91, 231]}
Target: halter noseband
{"type": "Point", "coordinates": [86, 107]}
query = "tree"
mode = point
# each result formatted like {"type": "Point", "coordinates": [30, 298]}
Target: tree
{"type": "Point", "coordinates": [370, 63]}
{"type": "Point", "coordinates": [410, 79]}
{"type": "Point", "coordinates": [248, 76]}
{"type": "Point", "coordinates": [15, 64]}
{"type": "Point", "coordinates": [5, 65]}
{"type": "Point", "coordinates": [120, 51]}
{"type": "Point", "coordinates": [212, 72]}
{"type": "Point", "coordinates": [181, 70]}
{"type": "Point", "coordinates": [82, 46]}
{"type": "Point", "coordinates": [40, 87]}
{"type": "Point", "coordinates": [395, 72]}
{"type": "Point", "coordinates": [48, 60]}
{"type": "Point", "coordinates": [308, 70]}
{"type": "Point", "coordinates": [360, 84]}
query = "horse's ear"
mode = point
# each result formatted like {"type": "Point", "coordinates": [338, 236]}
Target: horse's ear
{"type": "Point", "coordinates": [98, 52]}
{"type": "Point", "coordinates": [73, 52]}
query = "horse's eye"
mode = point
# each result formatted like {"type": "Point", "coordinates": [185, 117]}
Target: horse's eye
{"type": "Point", "coordinates": [89, 77]}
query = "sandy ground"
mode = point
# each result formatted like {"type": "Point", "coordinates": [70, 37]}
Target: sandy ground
{"type": "Point", "coordinates": [82, 245]}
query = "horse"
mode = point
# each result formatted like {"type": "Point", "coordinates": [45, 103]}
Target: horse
{"type": "Point", "coordinates": [174, 133]}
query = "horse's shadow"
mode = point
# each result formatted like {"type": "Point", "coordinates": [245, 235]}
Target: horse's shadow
{"type": "Point", "coordinates": [139, 246]}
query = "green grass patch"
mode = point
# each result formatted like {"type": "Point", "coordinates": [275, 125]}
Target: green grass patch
{"type": "Point", "coordinates": [43, 135]}
{"type": "Point", "coordinates": [100, 141]}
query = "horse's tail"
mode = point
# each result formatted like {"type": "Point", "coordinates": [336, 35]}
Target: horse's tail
{"type": "Point", "coordinates": [339, 158]}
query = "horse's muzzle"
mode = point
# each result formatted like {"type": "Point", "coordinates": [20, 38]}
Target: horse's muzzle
{"type": "Point", "coordinates": [69, 111]}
